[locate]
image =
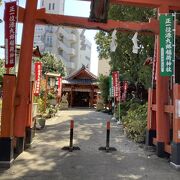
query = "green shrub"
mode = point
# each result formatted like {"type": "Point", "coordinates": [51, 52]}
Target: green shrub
{"type": "Point", "coordinates": [41, 105]}
{"type": "Point", "coordinates": [135, 122]}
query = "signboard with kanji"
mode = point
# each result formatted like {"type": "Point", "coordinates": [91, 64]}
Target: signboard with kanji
{"type": "Point", "coordinates": [38, 72]}
{"type": "Point", "coordinates": [59, 86]}
{"type": "Point", "coordinates": [10, 33]}
{"type": "Point", "coordinates": [167, 35]}
{"type": "Point", "coordinates": [111, 89]}
{"type": "Point", "coordinates": [118, 98]}
{"type": "Point", "coordinates": [115, 76]}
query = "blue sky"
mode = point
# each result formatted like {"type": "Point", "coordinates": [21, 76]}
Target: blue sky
{"type": "Point", "coordinates": [72, 7]}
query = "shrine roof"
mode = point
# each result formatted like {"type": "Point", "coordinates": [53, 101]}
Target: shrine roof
{"type": "Point", "coordinates": [81, 74]}
{"type": "Point", "coordinates": [79, 81]}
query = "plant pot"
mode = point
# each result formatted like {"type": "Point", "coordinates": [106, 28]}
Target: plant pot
{"type": "Point", "coordinates": [40, 123]}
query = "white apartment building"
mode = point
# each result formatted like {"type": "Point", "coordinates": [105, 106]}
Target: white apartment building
{"type": "Point", "coordinates": [68, 44]}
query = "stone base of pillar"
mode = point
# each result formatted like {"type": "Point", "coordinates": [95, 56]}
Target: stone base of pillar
{"type": "Point", "coordinates": [150, 134]}
{"type": "Point", "coordinates": [175, 156]}
{"type": "Point", "coordinates": [6, 152]}
{"type": "Point", "coordinates": [20, 141]}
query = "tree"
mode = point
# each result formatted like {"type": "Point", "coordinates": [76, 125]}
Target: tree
{"type": "Point", "coordinates": [129, 65]}
{"type": "Point", "coordinates": [104, 87]}
{"type": "Point", "coordinates": [51, 64]}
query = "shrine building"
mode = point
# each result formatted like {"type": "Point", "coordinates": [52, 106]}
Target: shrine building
{"type": "Point", "coordinates": [81, 88]}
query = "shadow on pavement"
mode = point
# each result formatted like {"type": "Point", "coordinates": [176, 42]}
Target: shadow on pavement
{"type": "Point", "coordinates": [46, 160]}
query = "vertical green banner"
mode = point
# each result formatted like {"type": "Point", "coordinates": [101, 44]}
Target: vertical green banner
{"type": "Point", "coordinates": [111, 89]}
{"type": "Point", "coordinates": [167, 47]}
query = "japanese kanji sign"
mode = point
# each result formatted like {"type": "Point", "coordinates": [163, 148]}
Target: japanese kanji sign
{"type": "Point", "coordinates": [167, 44]}
{"type": "Point", "coordinates": [10, 33]}
{"type": "Point", "coordinates": [59, 86]}
{"type": "Point", "coordinates": [118, 98]}
{"type": "Point", "coordinates": [125, 87]}
{"type": "Point", "coordinates": [115, 76]}
{"type": "Point", "coordinates": [111, 90]}
{"type": "Point", "coordinates": [38, 70]}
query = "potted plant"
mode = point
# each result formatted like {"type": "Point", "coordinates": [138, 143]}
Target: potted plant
{"type": "Point", "coordinates": [40, 118]}
{"type": "Point", "coordinates": [51, 98]}
{"type": "Point", "coordinates": [40, 122]}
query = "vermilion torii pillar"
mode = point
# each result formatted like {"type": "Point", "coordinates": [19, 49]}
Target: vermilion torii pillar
{"type": "Point", "coordinates": [23, 96]}
{"type": "Point", "coordinates": [31, 16]}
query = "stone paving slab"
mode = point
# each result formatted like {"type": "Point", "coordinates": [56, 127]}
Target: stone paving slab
{"type": "Point", "coordinates": [46, 160]}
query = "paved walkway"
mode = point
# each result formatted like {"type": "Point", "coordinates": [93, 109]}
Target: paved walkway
{"type": "Point", "coordinates": [46, 160]}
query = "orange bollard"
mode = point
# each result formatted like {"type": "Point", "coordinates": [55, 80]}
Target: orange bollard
{"type": "Point", "coordinates": [107, 148]}
{"type": "Point", "coordinates": [70, 148]}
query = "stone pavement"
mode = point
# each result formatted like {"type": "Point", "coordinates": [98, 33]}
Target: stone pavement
{"type": "Point", "coordinates": [45, 159]}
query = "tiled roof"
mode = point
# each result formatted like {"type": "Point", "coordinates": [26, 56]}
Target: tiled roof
{"type": "Point", "coordinates": [80, 81]}
{"type": "Point", "coordinates": [83, 68]}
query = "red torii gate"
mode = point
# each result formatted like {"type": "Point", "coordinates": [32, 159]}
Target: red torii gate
{"type": "Point", "coordinates": [19, 118]}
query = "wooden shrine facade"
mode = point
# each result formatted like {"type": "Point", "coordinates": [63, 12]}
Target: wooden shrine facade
{"type": "Point", "coordinates": [81, 88]}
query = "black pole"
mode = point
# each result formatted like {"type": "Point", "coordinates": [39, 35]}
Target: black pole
{"type": "Point", "coordinates": [107, 148]}
{"type": "Point", "coordinates": [71, 135]}
{"type": "Point", "coordinates": [108, 135]}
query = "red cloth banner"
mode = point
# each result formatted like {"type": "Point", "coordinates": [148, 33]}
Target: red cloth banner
{"type": "Point", "coordinates": [115, 76]}
{"type": "Point", "coordinates": [38, 73]}
{"type": "Point", "coordinates": [125, 87]}
{"type": "Point", "coordinates": [59, 86]}
{"type": "Point", "coordinates": [10, 33]}
{"type": "Point", "coordinates": [118, 98]}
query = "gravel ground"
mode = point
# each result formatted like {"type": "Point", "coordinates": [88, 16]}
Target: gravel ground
{"type": "Point", "coordinates": [46, 160]}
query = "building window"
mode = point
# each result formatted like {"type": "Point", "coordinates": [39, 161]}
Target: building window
{"type": "Point", "coordinates": [49, 6]}
{"type": "Point", "coordinates": [49, 41]}
{"type": "Point", "coordinates": [53, 6]}
{"type": "Point", "coordinates": [42, 3]}
{"type": "Point", "coordinates": [87, 58]}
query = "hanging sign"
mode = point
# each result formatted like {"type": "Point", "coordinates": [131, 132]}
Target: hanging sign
{"type": "Point", "coordinates": [118, 98]}
{"type": "Point", "coordinates": [10, 18]}
{"type": "Point", "coordinates": [167, 36]}
{"type": "Point", "coordinates": [38, 71]}
{"type": "Point", "coordinates": [59, 86]}
{"type": "Point", "coordinates": [111, 89]}
{"type": "Point", "coordinates": [125, 87]}
{"type": "Point", "coordinates": [115, 76]}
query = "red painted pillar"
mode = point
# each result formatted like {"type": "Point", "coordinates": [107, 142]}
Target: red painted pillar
{"type": "Point", "coordinates": [6, 139]}
{"type": "Point", "coordinates": [29, 123]}
{"type": "Point", "coordinates": [162, 121]}
{"type": "Point", "coordinates": [24, 73]}
{"type": "Point", "coordinates": [151, 118]}
{"type": "Point", "coordinates": [175, 156]}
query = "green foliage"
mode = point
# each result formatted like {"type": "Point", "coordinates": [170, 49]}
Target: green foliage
{"type": "Point", "coordinates": [2, 71]}
{"type": "Point", "coordinates": [104, 87]}
{"type": "Point", "coordinates": [129, 65]}
{"type": "Point", "coordinates": [41, 106]}
{"type": "Point", "coordinates": [51, 64]}
{"type": "Point", "coordinates": [135, 122]}
{"type": "Point", "coordinates": [103, 41]}
{"type": "Point", "coordinates": [51, 95]}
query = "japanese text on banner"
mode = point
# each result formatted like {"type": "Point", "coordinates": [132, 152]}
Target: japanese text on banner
{"type": "Point", "coordinates": [38, 72]}
{"type": "Point", "coordinates": [167, 44]}
{"type": "Point", "coordinates": [10, 33]}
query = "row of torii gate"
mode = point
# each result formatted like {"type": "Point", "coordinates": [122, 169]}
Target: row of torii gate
{"type": "Point", "coordinates": [16, 122]}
